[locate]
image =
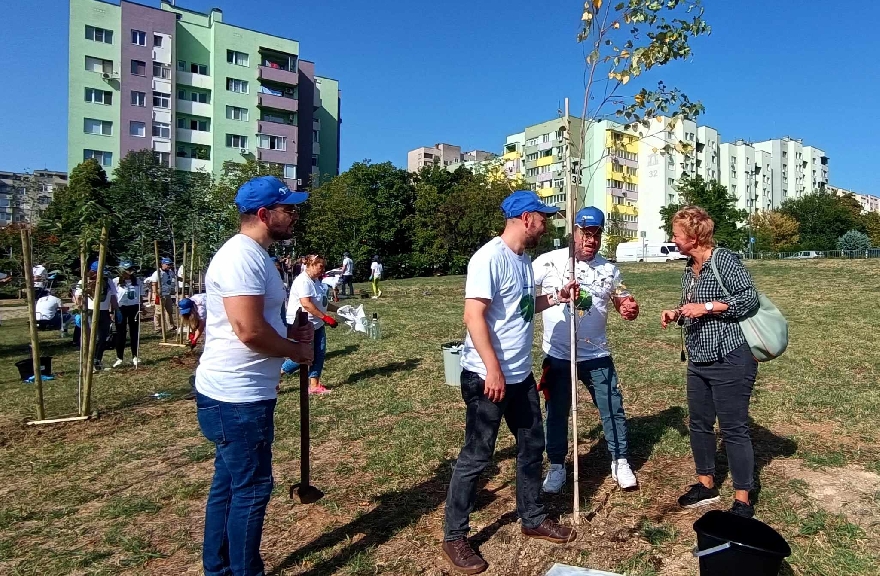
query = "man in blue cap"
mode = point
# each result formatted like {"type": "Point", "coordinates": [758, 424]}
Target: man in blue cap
{"type": "Point", "coordinates": [496, 378]}
{"type": "Point", "coordinates": [162, 282]}
{"type": "Point", "coordinates": [599, 282]}
{"type": "Point", "coordinates": [236, 382]}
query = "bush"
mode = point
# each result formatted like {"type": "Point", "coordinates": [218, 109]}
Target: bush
{"type": "Point", "coordinates": [854, 240]}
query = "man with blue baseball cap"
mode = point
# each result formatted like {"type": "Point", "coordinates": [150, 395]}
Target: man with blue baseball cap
{"type": "Point", "coordinates": [599, 283]}
{"type": "Point", "coordinates": [236, 382]}
{"type": "Point", "coordinates": [497, 381]}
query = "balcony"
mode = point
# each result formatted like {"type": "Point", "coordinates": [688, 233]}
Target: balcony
{"type": "Point", "coordinates": [197, 80]}
{"type": "Point", "coordinates": [292, 183]}
{"type": "Point", "coordinates": [278, 102]}
{"type": "Point", "coordinates": [194, 108]}
{"type": "Point", "coordinates": [192, 164]}
{"type": "Point", "coordinates": [194, 136]}
{"type": "Point", "coordinates": [276, 129]}
{"type": "Point", "coordinates": [545, 177]}
{"type": "Point", "coordinates": [279, 75]}
{"type": "Point", "coordinates": [278, 156]}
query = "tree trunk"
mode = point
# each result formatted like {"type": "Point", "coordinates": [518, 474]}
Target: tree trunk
{"type": "Point", "coordinates": [32, 317]}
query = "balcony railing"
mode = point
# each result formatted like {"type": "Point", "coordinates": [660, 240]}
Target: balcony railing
{"type": "Point", "coordinates": [276, 129]}
{"type": "Point", "coordinates": [279, 75]}
{"type": "Point", "coordinates": [192, 164]}
{"type": "Point", "coordinates": [278, 156]}
{"type": "Point", "coordinates": [278, 102]}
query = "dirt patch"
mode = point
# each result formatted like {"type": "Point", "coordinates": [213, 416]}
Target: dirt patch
{"type": "Point", "coordinates": [851, 491]}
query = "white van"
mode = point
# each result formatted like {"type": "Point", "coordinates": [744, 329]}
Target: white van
{"type": "Point", "coordinates": [639, 252]}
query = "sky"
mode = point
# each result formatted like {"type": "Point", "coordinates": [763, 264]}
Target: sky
{"type": "Point", "coordinates": [470, 73]}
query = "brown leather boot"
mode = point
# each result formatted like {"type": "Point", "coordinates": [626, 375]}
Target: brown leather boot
{"type": "Point", "coordinates": [462, 557]}
{"type": "Point", "coordinates": [551, 531]}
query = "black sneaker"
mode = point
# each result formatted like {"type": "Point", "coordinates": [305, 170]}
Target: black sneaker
{"type": "Point", "coordinates": [742, 509]}
{"type": "Point", "coordinates": [698, 495]}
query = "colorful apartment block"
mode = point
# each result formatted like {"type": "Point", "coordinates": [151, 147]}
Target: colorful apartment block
{"type": "Point", "coordinates": [196, 91]}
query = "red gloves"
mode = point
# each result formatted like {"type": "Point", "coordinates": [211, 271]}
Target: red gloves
{"type": "Point", "coordinates": [329, 321]}
{"type": "Point", "coordinates": [192, 340]}
{"type": "Point", "coordinates": [542, 383]}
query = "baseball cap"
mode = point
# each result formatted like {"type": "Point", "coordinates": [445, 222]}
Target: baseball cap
{"type": "Point", "coordinates": [589, 216]}
{"type": "Point", "coordinates": [522, 201]}
{"type": "Point", "coordinates": [125, 265]}
{"type": "Point", "coordinates": [185, 305]}
{"type": "Point", "coordinates": [166, 261]}
{"type": "Point", "coordinates": [265, 191]}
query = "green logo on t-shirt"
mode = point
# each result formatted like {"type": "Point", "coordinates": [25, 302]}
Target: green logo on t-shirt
{"type": "Point", "coordinates": [527, 307]}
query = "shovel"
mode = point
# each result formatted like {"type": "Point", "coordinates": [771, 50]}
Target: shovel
{"type": "Point", "coordinates": [304, 491]}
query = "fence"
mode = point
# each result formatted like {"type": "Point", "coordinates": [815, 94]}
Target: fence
{"type": "Point", "coordinates": [813, 254]}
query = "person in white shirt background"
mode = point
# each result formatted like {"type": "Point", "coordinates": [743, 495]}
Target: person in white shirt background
{"type": "Point", "coordinates": [128, 294]}
{"type": "Point", "coordinates": [108, 306]}
{"type": "Point", "coordinates": [237, 378]}
{"type": "Point", "coordinates": [599, 279]}
{"type": "Point", "coordinates": [376, 271]}
{"type": "Point", "coordinates": [347, 276]}
{"type": "Point", "coordinates": [162, 282]}
{"type": "Point", "coordinates": [48, 311]}
{"type": "Point", "coordinates": [40, 277]}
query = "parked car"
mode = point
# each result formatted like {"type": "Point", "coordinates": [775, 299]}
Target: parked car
{"type": "Point", "coordinates": [331, 277]}
{"type": "Point", "coordinates": [805, 255]}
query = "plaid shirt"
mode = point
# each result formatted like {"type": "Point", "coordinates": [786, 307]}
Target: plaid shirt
{"type": "Point", "coordinates": [713, 336]}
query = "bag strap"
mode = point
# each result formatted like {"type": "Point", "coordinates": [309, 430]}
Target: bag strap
{"type": "Point", "coordinates": [715, 271]}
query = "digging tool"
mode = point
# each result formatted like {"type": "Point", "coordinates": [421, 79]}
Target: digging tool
{"type": "Point", "coordinates": [304, 491]}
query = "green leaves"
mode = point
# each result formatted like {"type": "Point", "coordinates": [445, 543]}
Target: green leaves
{"type": "Point", "coordinates": [718, 202]}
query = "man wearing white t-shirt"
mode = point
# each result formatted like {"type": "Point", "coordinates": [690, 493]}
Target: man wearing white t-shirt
{"type": "Point", "coordinates": [347, 276]}
{"type": "Point", "coordinates": [236, 381]}
{"type": "Point", "coordinates": [496, 378]}
{"type": "Point", "coordinates": [600, 284]}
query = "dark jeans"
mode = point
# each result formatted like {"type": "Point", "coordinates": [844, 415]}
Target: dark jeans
{"type": "Point", "coordinates": [128, 315]}
{"type": "Point", "coordinates": [522, 412]}
{"type": "Point", "coordinates": [600, 378]}
{"type": "Point", "coordinates": [243, 435]}
{"type": "Point", "coordinates": [104, 322]}
{"type": "Point", "coordinates": [723, 389]}
{"type": "Point", "coordinates": [347, 281]}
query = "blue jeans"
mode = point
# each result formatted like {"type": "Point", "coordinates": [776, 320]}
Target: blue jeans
{"type": "Point", "coordinates": [600, 377]}
{"type": "Point", "coordinates": [242, 434]}
{"type": "Point", "coordinates": [317, 367]}
{"type": "Point", "coordinates": [522, 412]}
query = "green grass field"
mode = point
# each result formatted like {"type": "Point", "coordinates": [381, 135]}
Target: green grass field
{"type": "Point", "coordinates": [124, 494]}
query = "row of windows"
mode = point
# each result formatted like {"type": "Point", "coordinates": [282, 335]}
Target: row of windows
{"type": "Point", "coordinates": [138, 37]}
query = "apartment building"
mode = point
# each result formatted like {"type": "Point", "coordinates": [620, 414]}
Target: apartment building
{"type": "Point", "coordinates": [512, 158]}
{"type": "Point", "coordinates": [610, 172]}
{"type": "Point", "coordinates": [746, 173]}
{"type": "Point", "coordinates": [24, 195]}
{"type": "Point", "coordinates": [795, 171]}
{"type": "Point", "coordinates": [196, 91]}
{"type": "Point", "coordinates": [869, 202]}
{"type": "Point", "coordinates": [448, 156]}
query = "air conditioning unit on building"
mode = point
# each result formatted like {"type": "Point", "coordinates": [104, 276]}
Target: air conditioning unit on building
{"type": "Point", "coordinates": [243, 151]}
{"type": "Point", "coordinates": [109, 75]}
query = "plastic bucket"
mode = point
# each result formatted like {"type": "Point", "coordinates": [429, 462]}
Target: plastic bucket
{"type": "Point", "coordinates": [452, 362]}
{"type": "Point", "coordinates": [26, 367]}
{"type": "Point", "coordinates": [730, 545]}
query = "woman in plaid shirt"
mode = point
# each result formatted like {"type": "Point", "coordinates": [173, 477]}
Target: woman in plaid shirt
{"type": "Point", "coordinates": [721, 369]}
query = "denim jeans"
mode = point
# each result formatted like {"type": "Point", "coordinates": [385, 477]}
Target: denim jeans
{"type": "Point", "coordinates": [522, 412]}
{"type": "Point", "coordinates": [317, 367]}
{"type": "Point", "coordinates": [600, 378]}
{"type": "Point", "coordinates": [242, 434]}
{"type": "Point", "coordinates": [723, 389]}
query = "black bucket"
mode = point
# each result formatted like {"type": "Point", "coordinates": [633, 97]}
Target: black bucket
{"type": "Point", "coordinates": [26, 367]}
{"type": "Point", "coordinates": [730, 545]}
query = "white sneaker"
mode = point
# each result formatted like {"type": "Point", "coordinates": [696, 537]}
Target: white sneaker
{"type": "Point", "coordinates": [135, 361]}
{"type": "Point", "coordinates": [623, 474]}
{"type": "Point", "coordinates": [118, 363]}
{"type": "Point", "coordinates": [555, 479]}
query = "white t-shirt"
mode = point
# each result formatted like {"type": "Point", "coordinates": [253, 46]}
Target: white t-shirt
{"type": "Point", "coordinates": [347, 266]}
{"type": "Point", "coordinates": [127, 292]}
{"type": "Point", "coordinates": [600, 278]}
{"type": "Point", "coordinates": [305, 287]}
{"type": "Point", "coordinates": [109, 292]}
{"type": "Point", "coordinates": [496, 272]}
{"type": "Point", "coordinates": [228, 370]}
{"type": "Point", "coordinates": [47, 307]}
{"type": "Point", "coordinates": [39, 275]}
{"type": "Point", "coordinates": [167, 281]}
{"type": "Point", "coordinates": [200, 301]}
{"type": "Point", "coordinates": [376, 270]}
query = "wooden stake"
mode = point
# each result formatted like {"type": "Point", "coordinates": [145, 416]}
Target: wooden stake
{"type": "Point", "coordinates": [32, 320]}
{"type": "Point", "coordinates": [158, 307]}
{"type": "Point", "coordinates": [96, 317]}
{"type": "Point", "coordinates": [179, 294]}
{"type": "Point", "coordinates": [57, 420]}
{"type": "Point", "coordinates": [192, 265]}
{"type": "Point", "coordinates": [83, 323]}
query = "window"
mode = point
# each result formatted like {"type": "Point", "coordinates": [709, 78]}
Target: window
{"type": "Point", "coordinates": [271, 142]}
{"type": "Point", "coordinates": [138, 37]}
{"type": "Point", "coordinates": [181, 65]}
{"type": "Point", "coordinates": [164, 158]}
{"type": "Point", "coordinates": [237, 58]}
{"type": "Point", "coordinates": [181, 94]}
{"type": "Point", "coordinates": [103, 158]}
{"type": "Point", "coordinates": [138, 67]}
{"type": "Point", "coordinates": [192, 124]}
{"type": "Point", "coordinates": [99, 65]}
{"type": "Point", "coordinates": [236, 141]}
{"type": "Point", "coordinates": [201, 97]}
{"type": "Point", "coordinates": [96, 96]}
{"type": "Point", "coordinates": [160, 71]}
{"type": "Point", "coordinates": [235, 85]}
{"type": "Point", "coordinates": [161, 100]}
{"type": "Point", "coordinates": [290, 171]}
{"type": "Point", "coordinates": [93, 126]}
{"type": "Point", "coordinates": [236, 113]}
{"type": "Point", "coordinates": [316, 137]}
{"type": "Point", "coordinates": [138, 98]}
{"type": "Point", "coordinates": [161, 130]}
{"type": "Point", "coordinates": [99, 35]}
{"type": "Point", "coordinates": [137, 129]}
{"type": "Point", "coordinates": [157, 41]}
{"type": "Point", "coordinates": [198, 69]}
{"type": "Point", "coordinates": [314, 160]}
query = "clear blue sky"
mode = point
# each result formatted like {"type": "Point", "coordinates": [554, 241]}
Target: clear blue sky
{"type": "Point", "coordinates": [470, 73]}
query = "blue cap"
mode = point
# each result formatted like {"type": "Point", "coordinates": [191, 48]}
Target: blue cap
{"type": "Point", "coordinates": [94, 267]}
{"type": "Point", "coordinates": [185, 305]}
{"type": "Point", "coordinates": [524, 201]}
{"type": "Point", "coordinates": [265, 191]}
{"type": "Point", "coordinates": [589, 216]}
{"type": "Point", "coordinates": [165, 261]}
{"type": "Point", "coordinates": [125, 265]}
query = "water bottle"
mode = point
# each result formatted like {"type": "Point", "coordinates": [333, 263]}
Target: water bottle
{"type": "Point", "coordinates": [375, 331]}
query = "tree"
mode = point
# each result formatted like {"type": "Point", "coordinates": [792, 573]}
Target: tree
{"type": "Point", "coordinates": [871, 221]}
{"type": "Point", "coordinates": [614, 232]}
{"type": "Point", "coordinates": [216, 203]}
{"type": "Point", "coordinates": [774, 231]}
{"type": "Point", "coordinates": [854, 240]}
{"type": "Point", "coordinates": [718, 202]}
{"type": "Point", "coordinates": [822, 219]}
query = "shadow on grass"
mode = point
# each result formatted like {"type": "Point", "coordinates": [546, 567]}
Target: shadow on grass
{"type": "Point", "coordinates": [394, 512]}
{"type": "Point", "coordinates": [385, 370]}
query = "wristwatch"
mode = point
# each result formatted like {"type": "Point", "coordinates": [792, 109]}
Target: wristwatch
{"type": "Point", "coordinates": [709, 306]}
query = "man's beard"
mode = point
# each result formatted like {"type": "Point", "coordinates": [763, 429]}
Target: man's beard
{"type": "Point", "coordinates": [278, 232]}
{"type": "Point", "coordinates": [532, 241]}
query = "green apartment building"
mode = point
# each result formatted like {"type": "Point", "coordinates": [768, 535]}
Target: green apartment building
{"type": "Point", "coordinates": [196, 91]}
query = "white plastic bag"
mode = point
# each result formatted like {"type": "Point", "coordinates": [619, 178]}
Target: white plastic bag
{"type": "Point", "coordinates": [566, 570]}
{"type": "Point", "coordinates": [355, 318]}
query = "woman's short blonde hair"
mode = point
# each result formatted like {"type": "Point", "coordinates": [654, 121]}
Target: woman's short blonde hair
{"type": "Point", "coordinates": [696, 223]}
